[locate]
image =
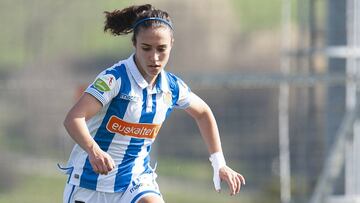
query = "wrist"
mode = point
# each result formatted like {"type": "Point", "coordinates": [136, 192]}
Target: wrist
{"type": "Point", "coordinates": [217, 160]}
{"type": "Point", "coordinates": [92, 149]}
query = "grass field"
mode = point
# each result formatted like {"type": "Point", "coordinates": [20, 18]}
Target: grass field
{"type": "Point", "coordinates": [45, 189]}
{"type": "Point", "coordinates": [179, 182]}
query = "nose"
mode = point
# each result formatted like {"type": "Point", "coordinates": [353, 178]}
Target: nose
{"type": "Point", "coordinates": [154, 56]}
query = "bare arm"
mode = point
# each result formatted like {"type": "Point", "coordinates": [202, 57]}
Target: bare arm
{"type": "Point", "coordinates": [75, 124]}
{"type": "Point", "coordinates": [206, 122]}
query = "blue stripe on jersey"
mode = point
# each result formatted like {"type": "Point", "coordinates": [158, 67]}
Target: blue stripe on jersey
{"type": "Point", "coordinates": [174, 88]}
{"type": "Point", "coordinates": [158, 83]}
{"type": "Point", "coordinates": [147, 167]}
{"type": "Point", "coordinates": [71, 193]}
{"type": "Point", "coordinates": [147, 159]}
{"type": "Point", "coordinates": [116, 71]}
{"type": "Point", "coordinates": [103, 137]}
{"type": "Point", "coordinates": [123, 176]}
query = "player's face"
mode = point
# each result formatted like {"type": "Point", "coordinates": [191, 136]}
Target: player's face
{"type": "Point", "coordinates": [152, 51]}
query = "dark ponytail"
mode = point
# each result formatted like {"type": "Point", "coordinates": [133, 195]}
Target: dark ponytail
{"type": "Point", "coordinates": [121, 22]}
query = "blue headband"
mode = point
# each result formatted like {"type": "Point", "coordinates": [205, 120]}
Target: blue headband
{"type": "Point", "coordinates": [153, 18]}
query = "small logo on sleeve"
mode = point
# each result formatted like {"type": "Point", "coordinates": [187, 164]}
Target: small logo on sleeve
{"type": "Point", "coordinates": [105, 83]}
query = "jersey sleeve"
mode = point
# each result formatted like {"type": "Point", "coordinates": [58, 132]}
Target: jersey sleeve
{"type": "Point", "coordinates": [105, 87]}
{"type": "Point", "coordinates": [183, 100]}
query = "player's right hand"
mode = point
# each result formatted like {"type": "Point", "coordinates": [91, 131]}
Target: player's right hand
{"type": "Point", "coordinates": [101, 161]}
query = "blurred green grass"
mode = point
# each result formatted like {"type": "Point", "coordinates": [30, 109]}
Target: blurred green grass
{"type": "Point", "coordinates": [257, 15]}
{"type": "Point", "coordinates": [36, 188]}
{"type": "Point", "coordinates": [185, 169]}
{"type": "Point", "coordinates": [180, 181]}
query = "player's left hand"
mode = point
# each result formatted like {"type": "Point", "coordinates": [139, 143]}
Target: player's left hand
{"type": "Point", "coordinates": [232, 178]}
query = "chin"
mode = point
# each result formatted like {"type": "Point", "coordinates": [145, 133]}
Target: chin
{"type": "Point", "coordinates": [155, 73]}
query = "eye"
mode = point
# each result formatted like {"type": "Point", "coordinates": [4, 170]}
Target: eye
{"type": "Point", "coordinates": [161, 49]}
{"type": "Point", "coordinates": [146, 48]}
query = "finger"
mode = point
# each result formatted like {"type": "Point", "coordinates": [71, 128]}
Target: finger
{"type": "Point", "coordinates": [98, 169]}
{"type": "Point", "coordinates": [104, 170]}
{"type": "Point", "coordinates": [242, 179]}
{"type": "Point", "coordinates": [112, 163]}
{"type": "Point", "coordinates": [95, 168]}
{"type": "Point", "coordinates": [99, 163]}
{"type": "Point", "coordinates": [235, 185]}
{"type": "Point", "coordinates": [217, 180]}
{"type": "Point", "coordinates": [238, 184]}
{"type": "Point", "coordinates": [109, 162]}
{"type": "Point", "coordinates": [109, 165]}
{"type": "Point", "coordinates": [231, 185]}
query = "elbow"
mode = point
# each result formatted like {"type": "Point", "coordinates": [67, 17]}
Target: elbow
{"type": "Point", "coordinates": [204, 113]}
{"type": "Point", "coordinates": [207, 111]}
{"type": "Point", "coordinates": [67, 121]}
{"type": "Point", "coordinates": [198, 109]}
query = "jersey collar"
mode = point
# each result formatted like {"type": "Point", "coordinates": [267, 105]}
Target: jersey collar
{"type": "Point", "coordinates": [161, 81]}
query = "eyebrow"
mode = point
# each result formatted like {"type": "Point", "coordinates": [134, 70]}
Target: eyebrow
{"type": "Point", "coordinates": [161, 45]}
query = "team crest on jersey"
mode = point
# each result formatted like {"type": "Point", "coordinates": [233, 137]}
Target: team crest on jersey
{"type": "Point", "coordinates": [168, 98]}
{"type": "Point", "coordinates": [105, 83]}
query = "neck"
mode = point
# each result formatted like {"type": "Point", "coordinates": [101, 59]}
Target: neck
{"type": "Point", "coordinates": [151, 81]}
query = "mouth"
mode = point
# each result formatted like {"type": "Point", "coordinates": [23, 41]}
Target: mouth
{"type": "Point", "coordinates": [155, 66]}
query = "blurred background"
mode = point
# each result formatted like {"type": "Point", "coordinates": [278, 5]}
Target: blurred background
{"type": "Point", "coordinates": [279, 75]}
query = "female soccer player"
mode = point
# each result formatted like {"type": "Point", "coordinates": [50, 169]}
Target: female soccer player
{"type": "Point", "coordinates": [118, 117]}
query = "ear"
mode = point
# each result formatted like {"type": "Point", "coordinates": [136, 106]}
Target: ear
{"type": "Point", "coordinates": [133, 39]}
{"type": "Point", "coordinates": [172, 41]}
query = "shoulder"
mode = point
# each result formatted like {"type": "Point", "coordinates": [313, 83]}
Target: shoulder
{"type": "Point", "coordinates": [110, 78]}
{"type": "Point", "coordinates": [117, 70]}
{"type": "Point", "coordinates": [176, 84]}
{"type": "Point", "coordinates": [173, 80]}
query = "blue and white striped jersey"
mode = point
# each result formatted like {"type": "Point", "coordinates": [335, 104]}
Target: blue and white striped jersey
{"type": "Point", "coordinates": [127, 124]}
